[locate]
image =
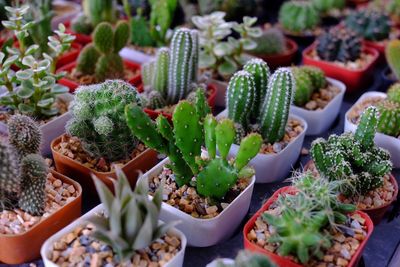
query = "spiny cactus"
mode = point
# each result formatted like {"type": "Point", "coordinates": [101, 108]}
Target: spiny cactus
{"type": "Point", "coordinates": [298, 16]}
{"type": "Point", "coordinates": [339, 44]}
{"type": "Point", "coordinates": [183, 142]}
{"type": "Point", "coordinates": [389, 120]}
{"type": "Point", "coordinates": [393, 93]}
{"type": "Point", "coordinates": [275, 109]}
{"type": "Point", "coordinates": [155, 100]}
{"type": "Point", "coordinates": [392, 56]}
{"type": "Point", "coordinates": [370, 24]}
{"type": "Point", "coordinates": [115, 230]}
{"type": "Point", "coordinates": [304, 86]}
{"type": "Point", "coordinates": [101, 58]}
{"type": "Point", "coordinates": [324, 6]}
{"type": "Point", "coordinates": [317, 76]}
{"type": "Point", "coordinates": [353, 158]}
{"type": "Point", "coordinates": [271, 42]}
{"type": "Point", "coordinates": [9, 176]}
{"type": "Point", "coordinates": [160, 78]}
{"type": "Point", "coordinates": [98, 119]}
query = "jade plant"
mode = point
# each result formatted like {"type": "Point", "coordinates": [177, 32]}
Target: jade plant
{"type": "Point", "coordinates": [372, 25]}
{"type": "Point", "coordinates": [271, 42]}
{"type": "Point", "coordinates": [389, 110]}
{"type": "Point", "coordinates": [353, 158]}
{"type": "Point", "coordinates": [308, 80]}
{"type": "Point", "coordinates": [101, 57]}
{"type": "Point", "coordinates": [298, 16]}
{"type": "Point", "coordinates": [23, 171]}
{"type": "Point", "coordinates": [172, 76]}
{"type": "Point", "coordinates": [220, 52]}
{"type": "Point", "coordinates": [339, 44]}
{"type": "Point", "coordinates": [245, 258]}
{"type": "Point", "coordinates": [130, 222]}
{"type": "Point", "coordinates": [31, 90]}
{"type": "Point", "coordinates": [306, 215]}
{"type": "Point", "coordinates": [193, 127]}
{"type": "Point", "coordinates": [392, 53]}
{"type": "Point", "coordinates": [98, 119]}
{"type": "Point", "coordinates": [95, 12]}
{"type": "Point", "coordinates": [259, 101]}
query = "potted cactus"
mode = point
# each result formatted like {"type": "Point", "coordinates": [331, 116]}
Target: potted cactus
{"type": "Point", "coordinates": [388, 127]}
{"type": "Point", "coordinates": [317, 99]}
{"type": "Point", "coordinates": [100, 60]}
{"type": "Point", "coordinates": [28, 82]}
{"type": "Point", "coordinates": [122, 231]}
{"type": "Point", "coordinates": [244, 258]}
{"type": "Point", "coordinates": [98, 138]}
{"type": "Point", "coordinates": [274, 48]}
{"type": "Point", "coordinates": [341, 54]}
{"type": "Point", "coordinates": [391, 73]}
{"type": "Point", "coordinates": [209, 194]}
{"type": "Point", "coordinates": [259, 102]}
{"type": "Point", "coordinates": [35, 202]}
{"type": "Point", "coordinates": [329, 8]}
{"type": "Point", "coordinates": [393, 9]}
{"type": "Point", "coordinates": [299, 20]}
{"type": "Point", "coordinates": [354, 159]}
{"type": "Point", "coordinates": [173, 75]}
{"type": "Point", "coordinates": [221, 55]}
{"type": "Point", "coordinates": [306, 225]}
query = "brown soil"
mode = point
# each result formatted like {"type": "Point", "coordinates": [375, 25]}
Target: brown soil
{"type": "Point", "coordinates": [364, 60]}
{"type": "Point", "coordinates": [82, 79]}
{"type": "Point", "coordinates": [321, 98]}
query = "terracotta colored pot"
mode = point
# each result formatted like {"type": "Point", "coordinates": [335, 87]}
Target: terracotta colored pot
{"type": "Point", "coordinates": [354, 79]}
{"type": "Point", "coordinates": [211, 101]}
{"type": "Point", "coordinates": [69, 56]}
{"type": "Point", "coordinates": [67, 166]}
{"type": "Point", "coordinates": [285, 262]}
{"type": "Point", "coordinates": [80, 38]}
{"type": "Point", "coordinates": [72, 85]}
{"type": "Point", "coordinates": [284, 59]}
{"type": "Point", "coordinates": [376, 214]}
{"type": "Point", "coordinates": [25, 247]}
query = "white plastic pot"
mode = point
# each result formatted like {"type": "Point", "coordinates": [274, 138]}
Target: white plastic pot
{"type": "Point", "coordinates": [320, 120]}
{"type": "Point", "coordinates": [225, 261]}
{"type": "Point", "coordinates": [45, 252]}
{"type": "Point", "coordinates": [51, 129]}
{"type": "Point", "coordinates": [206, 232]}
{"type": "Point", "coordinates": [131, 54]}
{"type": "Point", "coordinates": [274, 167]}
{"type": "Point", "coordinates": [392, 144]}
{"type": "Point", "coordinates": [221, 91]}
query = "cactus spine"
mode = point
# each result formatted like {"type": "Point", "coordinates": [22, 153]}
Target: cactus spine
{"type": "Point", "coordinates": [275, 109]}
{"type": "Point", "coordinates": [392, 55]}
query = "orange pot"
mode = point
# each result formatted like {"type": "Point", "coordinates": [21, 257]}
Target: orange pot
{"type": "Point", "coordinates": [25, 247]}
{"type": "Point", "coordinates": [67, 166]}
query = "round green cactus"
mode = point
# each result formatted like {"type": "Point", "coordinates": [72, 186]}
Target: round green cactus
{"type": "Point", "coordinates": [325, 6]}
{"type": "Point", "coordinates": [370, 24]}
{"type": "Point", "coordinates": [271, 42]}
{"type": "Point", "coordinates": [304, 86]}
{"type": "Point", "coordinates": [298, 16]}
{"type": "Point", "coordinates": [317, 76]}
{"type": "Point", "coordinates": [393, 94]}
{"type": "Point", "coordinates": [389, 120]}
{"type": "Point", "coordinates": [156, 100]}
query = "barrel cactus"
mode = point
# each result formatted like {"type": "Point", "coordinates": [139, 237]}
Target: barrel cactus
{"type": "Point", "coordinates": [372, 25]}
{"type": "Point", "coordinates": [389, 120]}
{"type": "Point", "coordinates": [98, 119]}
{"type": "Point", "coordinates": [271, 42]}
{"type": "Point", "coordinates": [325, 6]}
{"type": "Point", "coordinates": [298, 16]}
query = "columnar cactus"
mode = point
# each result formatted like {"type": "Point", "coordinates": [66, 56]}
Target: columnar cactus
{"type": "Point", "coordinates": [392, 56]}
{"type": "Point", "coordinates": [98, 119]}
{"type": "Point", "coordinates": [182, 143]}
{"type": "Point", "coordinates": [160, 77]}
{"type": "Point", "coordinates": [304, 86]}
{"type": "Point", "coordinates": [101, 58]}
{"type": "Point", "coordinates": [339, 44]}
{"type": "Point", "coordinates": [298, 16]}
{"type": "Point", "coordinates": [353, 158]}
{"type": "Point", "coordinates": [372, 25]}
{"type": "Point", "coordinates": [275, 109]}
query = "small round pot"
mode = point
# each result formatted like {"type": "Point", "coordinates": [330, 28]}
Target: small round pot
{"type": "Point", "coordinates": [285, 262]}
{"type": "Point", "coordinates": [80, 38]}
{"type": "Point", "coordinates": [354, 79]}
{"type": "Point", "coordinates": [386, 79]}
{"type": "Point", "coordinates": [72, 168]}
{"type": "Point", "coordinates": [25, 247]}
{"type": "Point", "coordinates": [284, 59]}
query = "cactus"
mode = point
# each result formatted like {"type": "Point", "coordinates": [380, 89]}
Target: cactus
{"type": "Point", "coordinates": [304, 86]}
{"type": "Point", "coordinates": [271, 42]}
{"type": "Point", "coordinates": [155, 100]}
{"type": "Point", "coordinates": [98, 119]}
{"type": "Point", "coordinates": [160, 78]}
{"type": "Point", "coordinates": [240, 133]}
{"type": "Point", "coordinates": [261, 73]}
{"type": "Point", "coordinates": [392, 53]}
{"type": "Point", "coordinates": [389, 120]}
{"type": "Point", "coordinates": [275, 109]}
{"type": "Point", "coordinates": [101, 58]}
{"type": "Point", "coordinates": [339, 44]}
{"type": "Point", "coordinates": [241, 93]}
{"type": "Point", "coordinates": [182, 143]}
{"type": "Point", "coordinates": [317, 76]}
{"type": "Point", "coordinates": [298, 16]}
{"type": "Point", "coordinates": [393, 93]}
{"type": "Point", "coordinates": [81, 24]}
{"type": "Point", "coordinates": [324, 6]}
{"type": "Point", "coordinates": [353, 158]}
{"type": "Point", "coordinates": [246, 258]}
{"type": "Point", "coordinates": [9, 174]}
{"type": "Point", "coordinates": [370, 24]}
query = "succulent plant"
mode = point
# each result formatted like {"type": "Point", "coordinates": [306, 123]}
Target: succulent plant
{"type": "Point", "coordinates": [24, 171]}
{"type": "Point", "coordinates": [372, 25]}
{"type": "Point", "coordinates": [389, 119]}
{"type": "Point", "coordinates": [353, 158]}
{"type": "Point", "coordinates": [130, 222]}
{"type": "Point", "coordinates": [271, 42]}
{"type": "Point", "coordinates": [300, 227]}
{"type": "Point", "coordinates": [182, 143]}
{"type": "Point", "coordinates": [317, 76]}
{"type": "Point", "coordinates": [325, 6]}
{"type": "Point", "coordinates": [298, 16]}
{"type": "Point", "coordinates": [98, 119]}
{"type": "Point", "coordinates": [393, 93]}
{"type": "Point", "coordinates": [339, 44]}
{"type": "Point", "coordinates": [220, 52]}
{"type": "Point", "coordinates": [101, 57]}
{"type": "Point", "coordinates": [246, 258]}
{"type": "Point", "coordinates": [392, 53]}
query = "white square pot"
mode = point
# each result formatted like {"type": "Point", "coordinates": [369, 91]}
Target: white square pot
{"type": "Point", "coordinates": [206, 232]}
{"type": "Point", "coordinates": [45, 252]}
{"type": "Point", "coordinates": [131, 54]}
{"type": "Point", "coordinates": [392, 144]}
{"type": "Point", "coordinates": [320, 120]}
{"type": "Point", "coordinates": [274, 167]}
{"type": "Point", "coordinates": [51, 129]}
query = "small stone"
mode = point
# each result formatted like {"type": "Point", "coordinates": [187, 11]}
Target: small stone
{"type": "Point", "coordinates": [71, 189]}
{"type": "Point", "coordinates": [95, 262]}
{"type": "Point", "coordinates": [277, 147]}
{"type": "Point", "coordinates": [211, 210]}
{"type": "Point", "coordinates": [341, 262]}
{"type": "Point", "coordinates": [345, 253]}
{"type": "Point", "coordinates": [328, 258]}
{"type": "Point", "coordinates": [311, 105]}
{"type": "Point", "coordinates": [252, 235]}
{"type": "Point", "coordinates": [173, 241]}
{"type": "Point", "coordinates": [57, 183]}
